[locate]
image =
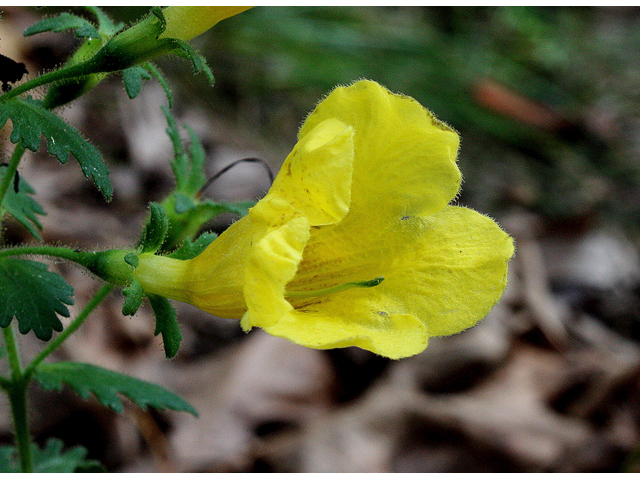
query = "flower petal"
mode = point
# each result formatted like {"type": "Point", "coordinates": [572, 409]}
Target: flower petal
{"type": "Point", "coordinates": [316, 176]}
{"type": "Point", "coordinates": [353, 319]}
{"type": "Point", "coordinates": [454, 272]}
{"type": "Point", "coordinates": [446, 270]}
{"type": "Point", "coordinates": [188, 22]}
{"type": "Point", "coordinates": [278, 239]}
{"type": "Point", "coordinates": [405, 158]}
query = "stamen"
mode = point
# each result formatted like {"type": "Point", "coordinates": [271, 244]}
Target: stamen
{"type": "Point", "coordinates": [229, 167]}
{"type": "Point", "coordinates": [338, 288]}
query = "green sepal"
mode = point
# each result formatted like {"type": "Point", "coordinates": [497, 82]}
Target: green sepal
{"type": "Point", "coordinates": [134, 45]}
{"type": "Point", "coordinates": [64, 21]}
{"type": "Point", "coordinates": [30, 121]}
{"type": "Point", "coordinates": [159, 14]}
{"type": "Point", "coordinates": [132, 78]}
{"type": "Point", "coordinates": [133, 298]}
{"type": "Point", "coordinates": [189, 249]}
{"type": "Point", "coordinates": [188, 216]}
{"type": "Point", "coordinates": [185, 50]}
{"type": "Point", "coordinates": [20, 205]}
{"type": "Point", "coordinates": [51, 459]}
{"type": "Point", "coordinates": [113, 266]}
{"type": "Point", "coordinates": [132, 259]}
{"type": "Point", "coordinates": [183, 203]}
{"type": "Point", "coordinates": [166, 324]}
{"type": "Point", "coordinates": [107, 384]}
{"type": "Point", "coordinates": [155, 230]}
{"type": "Point", "coordinates": [106, 25]}
{"type": "Point", "coordinates": [34, 296]}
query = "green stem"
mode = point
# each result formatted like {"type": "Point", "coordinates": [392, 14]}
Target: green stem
{"type": "Point", "coordinates": [67, 73]}
{"type": "Point", "coordinates": [10, 172]}
{"type": "Point", "coordinates": [18, 399]}
{"type": "Point", "coordinates": [45, 250]}
{"type": "Point", "coordinates": [73, 326]}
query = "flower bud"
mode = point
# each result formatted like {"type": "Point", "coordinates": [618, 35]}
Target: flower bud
{"type": "Point", "coordinates": [185, 23]}
{"type": "Point", "coordinates": [158, 34]}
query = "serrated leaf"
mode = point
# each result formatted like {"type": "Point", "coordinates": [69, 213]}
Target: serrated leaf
{"type": "Point", "coordinates": [30, 121]}
{"type": "Point", "coordinates": [64, 21]}
{"type": "Point", "coordinates": [180, 163]}
{"type": "Point", "coordinates": [9, 460]}
{"type": "Point", "coordinates": [106, 385]}
{"type": "Point", "coordinates": [155, 230]}
{"type": "Point", "coordinates": [189, 249]}
{"type": "Point", "coordinates": [166, 324]}
{"type": "Point", "coordinates": [188, 168]}
{"type": "Point", "coordinates": [20, 205]}
{"type": "Point", "coordinates": [132, 78]}
{"type": "Point", "coordinates": [197, 176]}
{"type": "Point", "coordinates": [51, 459]}
{"type": "Point", "coordinates": [34, 296]}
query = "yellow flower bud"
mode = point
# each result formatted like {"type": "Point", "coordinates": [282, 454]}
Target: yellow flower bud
{"type": "Point", "coordinates": [186, 23]}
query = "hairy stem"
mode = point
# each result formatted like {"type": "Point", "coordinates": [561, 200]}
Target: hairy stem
{"type": "Point", "coordinates": [67, 73]}
{"type": "Point", "coordinates": [10, 172]}
{"type": "Point", "coordinates": [66, 253]}
{"type": "Point", "coordinates": [18, 399]}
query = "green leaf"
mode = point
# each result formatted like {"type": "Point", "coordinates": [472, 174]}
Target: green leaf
{"type": "Point", "coordinates": [188, 168]}
{"type": "Point", "coordinates": [132, 78]}
{"type": "Point", "coordinates": [106, 385]}
{"type": "Point", "coordinates": [149, 67]}
{"type": "Point", "coordinates": [64, 21]}
{"type": "Point", "coordinates": [189, 249]}
{"type": "Point", "coordinates": [30, 121]}
{"type": "Point", "coordinates": [34, 296]}
{"type": "Point", "coordinates": [133, 298]}
{"type": "Point", "coordinates": [9, 460]}
{"type": "Point", "coordinates": [166, 324]}
{"type": "Point", "coordinates": [51, 459]}
{"type": "Point", "coordinates": [197, 175]}
{"type": "Point", "coordinates": [155, 230]}
{"type": "Point", "coordinates": [21, 206]}
{"type": "Point", "coordinates": [181, 162]}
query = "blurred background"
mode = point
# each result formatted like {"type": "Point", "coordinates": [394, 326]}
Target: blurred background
{"type": "Point", "coordinates": [547, 104]}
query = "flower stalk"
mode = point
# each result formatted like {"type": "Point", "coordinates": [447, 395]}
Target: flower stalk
{"type": "Point", "coordinates": [17, 390]}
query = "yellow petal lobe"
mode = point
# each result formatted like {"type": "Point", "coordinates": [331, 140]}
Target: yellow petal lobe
{"type": "Point", "coordinates": [316, 177]}
{"type": "Point", "coordinates": [278, 240]}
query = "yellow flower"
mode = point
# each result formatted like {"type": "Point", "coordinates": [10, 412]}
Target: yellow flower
{"type": "Point", "coordinates": [364, 194]}
{"type": "Point", "coordinates": [186, 23]}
